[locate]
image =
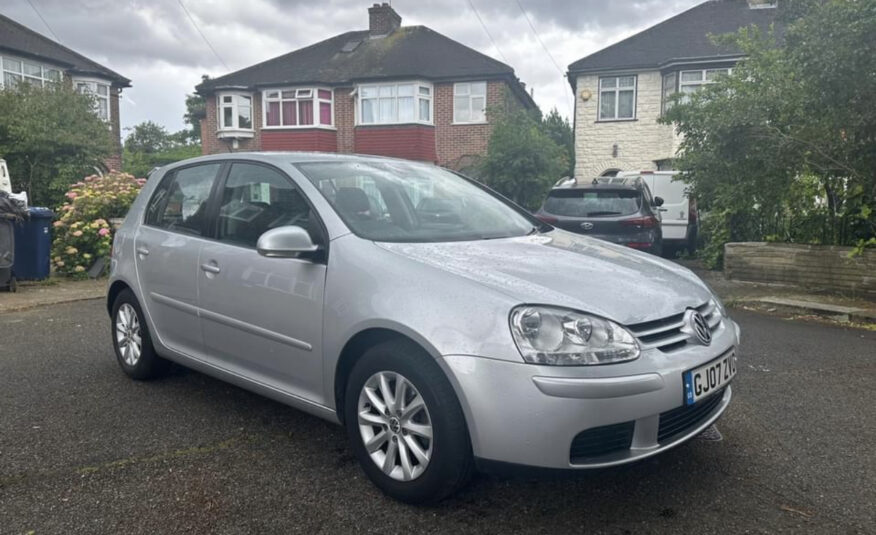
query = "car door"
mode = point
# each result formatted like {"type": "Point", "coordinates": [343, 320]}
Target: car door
{"type": "Point", "coordinates": [675, 209]}
{"type": "Point", "coordinates": [262, 317]}
{"type": "Point", "coordinates": [167, 245]}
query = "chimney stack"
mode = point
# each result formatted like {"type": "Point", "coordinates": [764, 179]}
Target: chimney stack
{"type": "Point", "coordinates": [382, 19]}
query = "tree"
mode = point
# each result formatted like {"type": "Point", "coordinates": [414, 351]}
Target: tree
{"type": "Point", "coordinates": [196, 110]}
{"type": "Point", "coordinates": [785, 147]}
{"type": "Point", "coordinates": [147, 138]}
{"type": "Point", "coordinates": [50, 138]}
{"type": "Point", "coordinates": [522, 161]}
{"type": "Point", "coordinates": [149, 145]}
{"type": "Point", "coordinates": [558, 129]}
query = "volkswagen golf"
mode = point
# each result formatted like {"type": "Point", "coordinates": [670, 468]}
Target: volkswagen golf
{"type": "Point", "coordinates": [444, 327]}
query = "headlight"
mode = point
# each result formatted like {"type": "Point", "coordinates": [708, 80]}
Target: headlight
{"type": "Point", "coordinates": [719, 306]}
{"type": "Point", "coordinates": [561, 337]}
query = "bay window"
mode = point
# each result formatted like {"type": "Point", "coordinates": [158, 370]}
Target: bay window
{"type": "Point", "coordinates": [100, 92]}
{"type": "Point", "coordinates": [470, 102]}
{"type": "Point", "coordinates": [617, 98]}
{"type": "Point", "coordinates": [668, 90]}
{"type": "Point", "coordinates": [692, 81]}
{"type": "Point", "coordinates": [235, 111]}
{"type": "Point", "coordinates": [301, 107]}
{"type": "Point", "coordinates": [395, 103]}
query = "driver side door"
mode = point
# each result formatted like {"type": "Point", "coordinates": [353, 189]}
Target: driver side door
{"type": "Point", "coordinates": [262, 317]}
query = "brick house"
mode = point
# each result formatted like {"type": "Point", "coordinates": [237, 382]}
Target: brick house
{"type": "Point", "coordinates": [26, 55]}
{"type": "Point", "coordinates": [391, 90]}
{"type": "Point", "coordinates": [621, 91]}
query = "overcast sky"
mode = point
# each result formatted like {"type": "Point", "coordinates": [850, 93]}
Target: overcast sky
{"type": "Point", "coordinates": [153, 43]}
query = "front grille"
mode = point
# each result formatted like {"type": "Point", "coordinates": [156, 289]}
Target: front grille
{"type": "Point", "coordinates": [680, 420]}
{"type": "Point", "coordinates": [601, 441]}
{"type": "Point", "coordinates": [666, 334]}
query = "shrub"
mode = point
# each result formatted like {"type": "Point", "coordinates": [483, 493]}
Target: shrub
{"type": "Point", "coordinates": [82, 232]}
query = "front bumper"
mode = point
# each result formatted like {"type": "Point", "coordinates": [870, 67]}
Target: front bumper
{"type": "Point", "coordinates": [530, 415]}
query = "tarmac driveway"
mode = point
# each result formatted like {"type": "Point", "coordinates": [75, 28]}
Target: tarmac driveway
{"type": "Point", "coordinates": [85, 450]}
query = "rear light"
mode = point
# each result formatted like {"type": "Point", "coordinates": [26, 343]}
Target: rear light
{"type": "Point", "coordinates": [547, 219]}
{"type": "Point", "coordinates": [641, 222]}
{"type": "Point", "coordinates": [638, 245]}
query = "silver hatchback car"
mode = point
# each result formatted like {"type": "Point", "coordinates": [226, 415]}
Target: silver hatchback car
{"type": "Point", "coordinates": [443, 326]}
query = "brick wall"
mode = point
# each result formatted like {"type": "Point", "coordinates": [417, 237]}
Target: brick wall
{"type": "Point", "coordinates": [412, 142]}
{"type": "Point", "coordinates": [640, 142]}
{"type": "Point", "coordinates": [345, 118]}
{"type": "Point", "coordinates": [811, 266]}
{"type": "Point", "coordinates": [309, 139]}
{"type": "Point", "coordinates": [462, 145]}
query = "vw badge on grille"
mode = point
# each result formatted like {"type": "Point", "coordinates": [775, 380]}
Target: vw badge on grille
{"type": "Point", "coordinates": [587, 226]}
{"type": "Point", "coordinates": [700, 328]}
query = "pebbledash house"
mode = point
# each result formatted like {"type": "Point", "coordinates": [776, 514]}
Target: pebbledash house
{"type": "Point", "coordinates": [391, 90]}
{"type": "Point", "coordinates": [621, 91]}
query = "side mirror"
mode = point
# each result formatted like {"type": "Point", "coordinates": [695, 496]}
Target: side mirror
{"type": "Point", "coordinates": [658, 201]}
{"type": "Point", "coordinates": [286, 242]}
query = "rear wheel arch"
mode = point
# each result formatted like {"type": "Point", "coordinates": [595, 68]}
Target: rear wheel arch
{"type": "Point", "coordinates": [113, 292]}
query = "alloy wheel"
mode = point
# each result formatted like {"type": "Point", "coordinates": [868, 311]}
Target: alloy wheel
{"type": "Point", "coordinates": [128, 335]}
{"type": "Point", "coordinates": [395, 425]}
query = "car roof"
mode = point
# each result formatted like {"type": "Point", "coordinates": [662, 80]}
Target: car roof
{"type": "Point", "coordinates": [285, 157]}
{"type": "Point", "coordinates": [608, 183]}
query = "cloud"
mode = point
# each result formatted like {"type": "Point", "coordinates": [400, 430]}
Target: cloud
{"type": "Point", "coordinates": [155, 44]}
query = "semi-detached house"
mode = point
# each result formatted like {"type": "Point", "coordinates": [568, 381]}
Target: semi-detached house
{"type": "Point", "coordinates": [391, 90]}
{"type": "Point", "coordinates": [621, 91]}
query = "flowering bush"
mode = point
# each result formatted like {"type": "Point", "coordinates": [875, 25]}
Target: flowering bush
{"type": "Point", "coordinates": [82, 232]}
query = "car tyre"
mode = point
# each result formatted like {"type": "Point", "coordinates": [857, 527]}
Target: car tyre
{"type": "Point", "coordinates": [449, 464]}
{"type": "Point", "coordinates": [132, 342]}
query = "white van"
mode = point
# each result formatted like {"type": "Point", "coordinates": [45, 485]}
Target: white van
{"type": "Point", "coordinates": [5, 181]}
{"type": "Point", "coordinates": [680, 219]}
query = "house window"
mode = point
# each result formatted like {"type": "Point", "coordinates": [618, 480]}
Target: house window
{"type": "Point", "coordinates": [235, 111]}
{"type": "Point", "coordinates": [617, 98]}
{"type": "Point", "coordinates": [692, 81]}
{"type": "Point", "coordinates": [669, 81]}
{"type": "Point", "coordinates": [100, 92]}
{"type": "Point", "coordinates": [395, 103]}
{"type": "Point", "coordinates": [470, 102]}
{"type": "Point", "coordinates": [16, 70]}
{"type": "Point", "coordinates": [290, 108]}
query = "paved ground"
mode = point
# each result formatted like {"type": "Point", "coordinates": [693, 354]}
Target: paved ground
{"type": "Point", "coordinates": [85, 450]}
{"type": "Point", "coordinates": [51, 292]}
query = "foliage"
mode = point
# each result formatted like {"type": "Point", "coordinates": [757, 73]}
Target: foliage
{"type": "Point", "coordinates": [784, 149]}
{"type": "Point", "coordinates": [149, 145]}
{"type": "Point", "coordinates": [522, 160]}
{"type": "Point", "coordinates": [49, 137]}
{"type": "Point", "coordinates": [558, 129]}
{"type": "Point", "coordinates": [196, 110]}
{"type": "Point", "coordinates": [83, 233]}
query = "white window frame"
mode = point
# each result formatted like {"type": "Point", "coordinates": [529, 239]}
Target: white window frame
{"type": "Point", "coordinates": [617, 90]}
{"type": "Point", "coordinates": [43, 78]}
{"type": "Point", "coordinates": [702, 82]}
{"type": "Point", "coordinates": [235, 115]}
{"type": "Point", "coordinates": [93, 85]}
{"type": "Point", "coordinates": [418, 97]}
{"type": "Point", "coordinates": [300, 95]}
{"type": "Point", "coordinates": [459, 93]}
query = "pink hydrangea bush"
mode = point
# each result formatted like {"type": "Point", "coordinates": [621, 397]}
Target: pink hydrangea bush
{"type": "Point", "coordinates": [82, 232]}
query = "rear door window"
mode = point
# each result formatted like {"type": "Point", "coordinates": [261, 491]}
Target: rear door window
{"type": "Point", "coordinates": [180, 201]}
{"type": "Point", "coordinates": [593, 203]}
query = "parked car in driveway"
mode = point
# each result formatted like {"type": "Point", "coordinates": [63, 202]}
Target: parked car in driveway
{"type": "Point", "coordinates": [619, 210]}
{"type": "Point", "coordinates": [443, 326]}
{"type": "Point", "coordinates": [679, 217]}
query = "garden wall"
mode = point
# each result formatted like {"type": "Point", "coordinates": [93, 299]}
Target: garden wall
{"type": "Point", "coordinates": [813, 266]}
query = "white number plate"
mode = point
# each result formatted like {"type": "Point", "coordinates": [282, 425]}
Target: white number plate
{"type": "Point", "coordinates": [709, 378]}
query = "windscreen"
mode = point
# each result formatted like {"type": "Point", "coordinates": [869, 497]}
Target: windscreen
{"type": "Point", "coordinates": [593, 203]}
{"type": "Point", "coordinates": [409, 202]}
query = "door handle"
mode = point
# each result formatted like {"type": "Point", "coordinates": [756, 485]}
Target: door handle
{"type": "Point", "coordinates": [210, 268]}
{"type": "Point", "coordinates": [142, 251]}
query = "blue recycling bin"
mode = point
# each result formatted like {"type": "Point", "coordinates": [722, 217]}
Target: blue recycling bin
{"type": "Point", "coordinates": [33, 244]}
